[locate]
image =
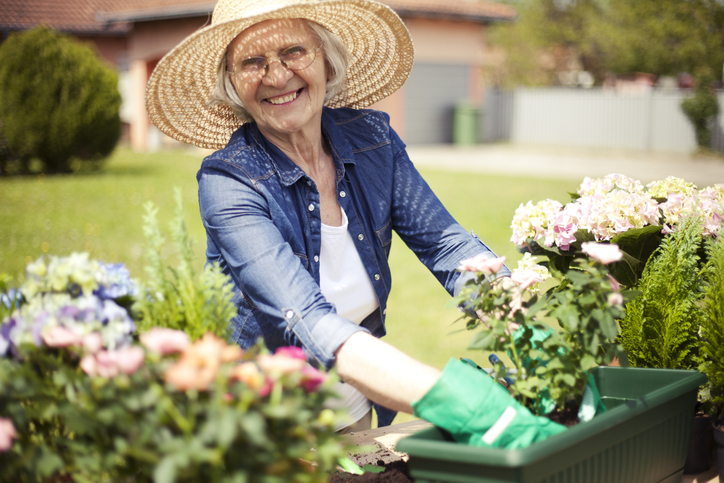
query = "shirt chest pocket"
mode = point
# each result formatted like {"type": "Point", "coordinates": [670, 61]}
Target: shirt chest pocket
{"type": "Point", "coordinates": [384, 235]}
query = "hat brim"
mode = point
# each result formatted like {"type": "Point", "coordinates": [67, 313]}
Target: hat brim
{"type": "Point", "coordinates": [177, 94]}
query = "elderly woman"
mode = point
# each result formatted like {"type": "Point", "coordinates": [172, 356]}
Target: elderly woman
{"type": "Point", "coordinates": [301, 198]}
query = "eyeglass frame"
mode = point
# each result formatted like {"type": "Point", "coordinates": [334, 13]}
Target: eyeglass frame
{"type": "Point", "coordinates": [265, 70]}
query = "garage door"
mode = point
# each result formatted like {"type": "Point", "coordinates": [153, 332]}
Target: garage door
{"type": "Point", "coordinates": [431, 93]}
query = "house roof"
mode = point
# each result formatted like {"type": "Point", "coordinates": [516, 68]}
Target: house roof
{"type": "Point", "coordinates": [73, 16]}
{"type": "Point", "coordinates": [116, 16]}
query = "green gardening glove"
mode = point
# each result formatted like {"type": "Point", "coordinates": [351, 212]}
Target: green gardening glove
{"type": "Point", "coordinates": [477, 411]}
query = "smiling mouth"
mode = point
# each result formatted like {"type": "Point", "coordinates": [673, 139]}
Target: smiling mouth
{"type": "Point", "coordinates": [284, 99]}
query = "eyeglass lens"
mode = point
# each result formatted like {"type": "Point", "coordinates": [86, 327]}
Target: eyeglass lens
{"type": "Point", "coordinates": [294, 58]}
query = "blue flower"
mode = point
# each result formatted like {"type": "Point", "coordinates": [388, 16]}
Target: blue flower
{"type": "Point", "coordinates": [115, 282]}
{"type": "Point", "coordinates": [12, 296]}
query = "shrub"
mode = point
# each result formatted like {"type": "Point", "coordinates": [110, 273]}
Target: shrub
{"type": "Point", "coordinates": [58, 102]}
{"type": "Point", "coordinates": [661, 327]}
{"type": "Point", "coordinates": [712, 327]}
{"type": "Point", "coordinates": [701, 109]}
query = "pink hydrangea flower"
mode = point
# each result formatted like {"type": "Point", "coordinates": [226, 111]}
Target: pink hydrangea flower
{"type": "Point", "coordinates": [482, 263]}
{"type": "Point", "coordinates": [602, 252]}
{"type": "Point", "coordinates": [59, 336]}
{"type": "Point", "coordinates": [7, 433]}
{"type": "Point", "coordinates": [165, 341]}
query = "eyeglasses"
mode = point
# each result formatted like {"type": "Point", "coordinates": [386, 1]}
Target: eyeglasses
{"type": "Point", "coordinates": [294, 58]}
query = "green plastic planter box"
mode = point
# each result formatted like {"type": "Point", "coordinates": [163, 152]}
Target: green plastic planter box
{"type": "Point", "coordinates": [643, 437]}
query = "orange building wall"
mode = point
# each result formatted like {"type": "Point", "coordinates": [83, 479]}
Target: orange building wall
{"type": "Point", "coordinates": [440, 42]}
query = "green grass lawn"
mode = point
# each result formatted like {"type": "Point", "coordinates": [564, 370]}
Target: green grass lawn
{"type": "Point", "coordinates": [102, 213]}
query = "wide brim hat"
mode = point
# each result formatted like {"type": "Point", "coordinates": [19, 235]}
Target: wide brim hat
{"type": "Point", "coordinates": [177, 94]}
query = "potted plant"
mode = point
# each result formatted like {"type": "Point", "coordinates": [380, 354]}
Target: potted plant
{"type": "Point", "coordinates": [643, 415]}
{"type": "Point", "coordinates": [635, 422]}
{"type": "Point", "coordinates": [661, 228]}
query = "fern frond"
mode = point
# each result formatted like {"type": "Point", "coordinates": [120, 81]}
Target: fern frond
{"type": "Point", "coordinates": [662, 324]}
{"type": "Point", "coordinates": [713, 322]}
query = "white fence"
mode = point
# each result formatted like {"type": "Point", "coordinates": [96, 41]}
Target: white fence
{"type": "Point", "coordinates": [647, 121]}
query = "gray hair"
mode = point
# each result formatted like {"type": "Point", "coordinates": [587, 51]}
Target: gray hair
{"type": "Point", "coordinates": [336, 58]}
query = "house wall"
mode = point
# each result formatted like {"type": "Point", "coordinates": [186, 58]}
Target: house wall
{"type": "Point", "coordinates": [147, 44]}
{"type": "Point", "coordinates": [448, 56]}
{"type": "Point", "coordinates": [111, 49]}
{"type": "Point", "coordinates": [438, 44]}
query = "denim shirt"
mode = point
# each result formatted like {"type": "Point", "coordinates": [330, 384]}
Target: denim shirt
{"type": "Point", "coordinates": [262, 218]}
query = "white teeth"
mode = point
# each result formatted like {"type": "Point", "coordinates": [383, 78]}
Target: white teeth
{"type": "Point", "coordinates": [282, 100]}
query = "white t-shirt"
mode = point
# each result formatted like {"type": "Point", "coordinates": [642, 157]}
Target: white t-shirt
{"type": "Point", "coordinates": [344, 283]}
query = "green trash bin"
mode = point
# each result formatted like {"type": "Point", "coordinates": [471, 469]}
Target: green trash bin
{"type": "Point", "coordinates": [465, 124]}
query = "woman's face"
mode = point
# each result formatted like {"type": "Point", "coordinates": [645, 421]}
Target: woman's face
{"type": "Point", "coordinates": [283, 102]}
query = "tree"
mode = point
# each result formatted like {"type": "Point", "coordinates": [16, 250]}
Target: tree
{"type": "Point", "coordinates": [661, 37]}
{"type": "Point", "coordinates": [58, 102]}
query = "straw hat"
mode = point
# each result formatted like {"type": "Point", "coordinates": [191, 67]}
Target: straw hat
{"type": "Point", "coordinates": [380, 49]}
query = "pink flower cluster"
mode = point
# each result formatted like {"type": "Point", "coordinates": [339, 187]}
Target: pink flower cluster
{"type": "Point", "coordinates": [613, 205]}
{"type": "Point", "coordinates": [111, 363]}
{"type": "Point", "coordinates": [199, 363]}
{"type": "Point", "coordinates": [707, 203]}
{"type": "Point", "coordinates": [96, 361]}
{"type": "Point", "coordinates": [268, 368]}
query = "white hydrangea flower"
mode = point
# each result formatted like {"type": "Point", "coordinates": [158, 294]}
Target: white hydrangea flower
{"type": "Point", "coordinates": [608, 183]}
{"type": "Point", "coordinates": [671, 185]}
{"type": "Point", "coordinates": [532, 221]}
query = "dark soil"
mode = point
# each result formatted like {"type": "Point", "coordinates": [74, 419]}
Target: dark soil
{"type": "Point", "coordinates": [395, 472]}
{"type": "Point", "coordinates": [568, 417]}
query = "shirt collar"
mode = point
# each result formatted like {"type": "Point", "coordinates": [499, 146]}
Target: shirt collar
{"type": "Point", "coordinates": [288, 171]}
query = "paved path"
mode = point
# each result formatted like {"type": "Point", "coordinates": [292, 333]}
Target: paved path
{"type": "Point", "coordinates": [549, 162]}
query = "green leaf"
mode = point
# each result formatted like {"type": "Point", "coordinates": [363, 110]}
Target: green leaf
{"type": "Point", "coordinates": [485, 339]}
{"type": "Point", "coordinates": [165, 471]}
{"type": "Point", "coordinates": [373, 469]}
{"type": "Point", "coordinates": [49, 463]}
{"type": "Point", "coordinates": [588, 362]}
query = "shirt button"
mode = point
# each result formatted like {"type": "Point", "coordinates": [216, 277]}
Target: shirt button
{"type": "Point", "coordinates": [289, 314]}
{"type": "Point", "coordinates": [377, 276]}
{"type": "Point", "coordinates": [342, 194]}
{"type": "Point", "coordinates": [316, 258]}
{"type": "Point", "coordinates": [360, 237]}
{"type": "Point", "coordinates": [311, 207]}
{"type": "Point", "coordinates": [309, 182]}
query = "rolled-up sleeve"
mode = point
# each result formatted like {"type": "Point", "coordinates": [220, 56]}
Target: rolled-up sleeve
{"type": "Point", "coordinates": [270, 275]}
